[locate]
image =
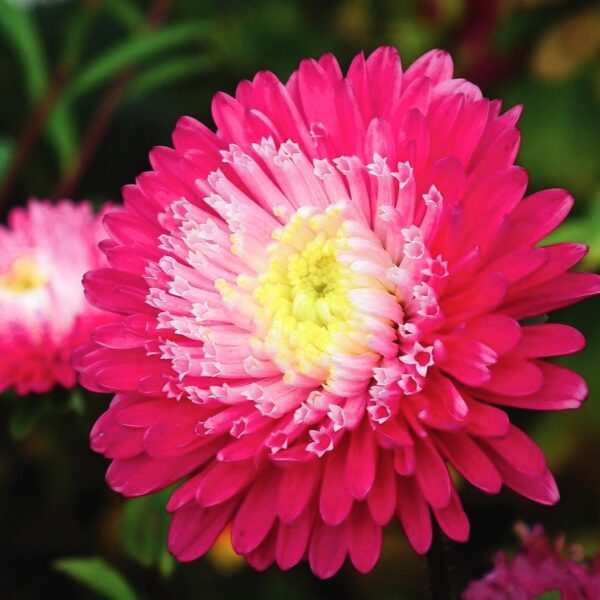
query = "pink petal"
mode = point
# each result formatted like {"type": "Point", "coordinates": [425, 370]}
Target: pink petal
{"type": "Point", "coordinates": [470, 461]}
{"type": "Point", "coordinates": [317, 94]}
{"type": "Point", "coordinates": [468, 361]}
{"type": "Point", "coordinates": [292, 540]}
{"type": "Point", "coordinates": [562, 389]}
{"type": "Point", "coordinates": [405, 461]}
{"type": "Point", "coordinates": [415, 95]}
{"type": "Point", "coordinates": [541, 488]}
{"type": "Point", "coordinates": [114, 335]}
{"type": "Point", "coordinates": [559, 258]}
{"type": "Point", "coordinates": [256, 514]}
{"type": "Point", "coordinates": [517, 265]}
{"type": "Point", "coordinates": [297, 486]}
{"type": "Point", "coordinates": [248, 446]}
{"type": "Point", "coordinates": [364, 539]}
{"type": "Point", "coordinates": [561, 291]}
{"type": "Point", "coordinates": [432, 474]}
{"type": "Point", "coordinates": [229, 115]}
{"type": "Point", "coordinates": [385, 75]}
{"type": "Point", "coordinates": [486, 293]}
{"type": "Point", "coordinates": [327, 549]}
{"type": "Point", "coordinates": [413, 513]}
{"type": "Point", "coordinates": [382, 498]}
{"type": "Point", "coordinates": [435, 64]}
{"type": "Point", "coordinates": [499, 332]}
{"type": "Point", "coordinates": [497, 154]}
{"type": "Point", "coordinates": [263, 557]}
{"type": "Point", "coordinates": [486, 421]}
{"type": "Point", "coordinates": [124, 229]}
{"type": "Point", "coordinates": [453, 520]}
{"type": "Point", "coordinates": [360, 465]}
{"type": "Point", "coordinates": [537, 216]}
{"type": "Point", "coordinates": [194, 530]}
{"type": "Point", "coordinates": [335, 501]}
{"type": "Point", "coordinates": [550, 339]}
{"type": "Point", "coordinates": [185, 493]}
{"type": "Point", "coordinates": [514, 377]}
{"type": "Point", "coordinates": [113, 440]}
{"type": "Point", "coordinates": [118, 292]}
{"type": "Point", "coordinates": [518, 450]}
{"type": "Point", "coordinates": [222, 481]}
{"type": "Point", "coordinates": [140, 413]}
{"type": "Point", "coordinates": [142, 475]}
{"type": "Point", "coordinates": [174, 434]}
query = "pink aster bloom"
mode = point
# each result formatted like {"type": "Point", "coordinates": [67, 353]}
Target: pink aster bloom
{"type": "Point", "coordinates": [541, 566]}
{"type": "Point", "coordinates": [320, 310]}
{"type": "Point", "coordinates": [44, 316]}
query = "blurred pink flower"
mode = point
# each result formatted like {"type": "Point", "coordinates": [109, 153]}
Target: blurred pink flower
{"type": "Point", "coordinates": [44, 316]}
{"type": "Point", "coordinates": [320, 309]}
{"type": "Point", "coordinates": [541, 566]}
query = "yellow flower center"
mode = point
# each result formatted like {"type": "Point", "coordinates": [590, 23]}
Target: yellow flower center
{"type": "Point", "coordinates": [303, 293]}
{"type": "Point", "coordinates": [301, 303]}
{"type": "Point", "coordinates": [23, 275]}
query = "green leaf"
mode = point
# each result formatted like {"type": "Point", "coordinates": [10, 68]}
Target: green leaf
{"type": "Point", "coordinates": [585, 230]}
{"type": "Point", "coordinates": [22, 33]}
{"type": "Point", "coordinates": [62, 133]}
{"type": "Point", "coordinates": [77, 33]}
{"type": "Point", "coordinates": [168, 72]}
{"type": "Point", "coordinates": [26, 414]}
{"type": "Point", "coordinates": [125, 12]}
{"type": "Point", "coordinates": [554, 595]}
{"type": "Point", "coordinates": [133, 51]}
{"type": "Point", "coordinates": [97, 575]}
{"type": "Point", "coordinates": [561, 132]}
{"type": "Point", "coordinates": [7, 147]}
{"type": "Point", "coordinates": [144, 529]}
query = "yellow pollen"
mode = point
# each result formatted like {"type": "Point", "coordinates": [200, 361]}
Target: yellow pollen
{"type": "Point", "coordinates": [302, 299]}
{"type": "Point", "coordinates": [23, 275]}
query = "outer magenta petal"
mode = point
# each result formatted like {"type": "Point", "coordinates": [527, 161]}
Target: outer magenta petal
{"type": "Point", "coordinates": [382, 498]}
{"type": "Point", "coordinates": [327, 550]}
{"type": "Point", "coordinates": [194, 530]}
{"type": "Point", "coordinates": [364, 539]}
{"type": "Point", "coordinates": [453, 520]}
{"type": "Point", "coordinates": [335, 501]}
{"type": "Point", "coordinates": [256, 514]}
{"type": "Point", "coordinates": [361, 465]}
{"type": "Point", "coordinates": [292, 540]}
{"type": "Point", "coordinates": [413, 513]}
{"type": "Point", "coordinates": [470, 461]}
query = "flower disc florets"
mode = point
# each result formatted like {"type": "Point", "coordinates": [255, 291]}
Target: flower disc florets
{"type": "Point", "coordinates": [323, 298]}
{"type": "Point", "coordinates": [320, 310]}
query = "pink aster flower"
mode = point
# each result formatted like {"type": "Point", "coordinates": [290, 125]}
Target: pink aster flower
{"type": "Point", "coordinates": [320, 311]}
{"type": "Point", "coordinates": [541, 566]}
{"type": "Point", "coordinates": [44, 316]}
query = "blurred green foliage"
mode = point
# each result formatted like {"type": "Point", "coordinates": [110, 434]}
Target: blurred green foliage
{"type": "Point", "coordinates": [97, 575]}
{"type": "Point", "coordinates": [130, 71]}
{"type": "Point", "coordinates": [144, 531]}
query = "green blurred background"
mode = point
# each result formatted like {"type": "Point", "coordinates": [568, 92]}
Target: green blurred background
{"type": "Point", "coordinates": [88, 86]}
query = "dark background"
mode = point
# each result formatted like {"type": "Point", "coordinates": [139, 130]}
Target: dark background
{"type": "Point", "coordinates": [108, 80]}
